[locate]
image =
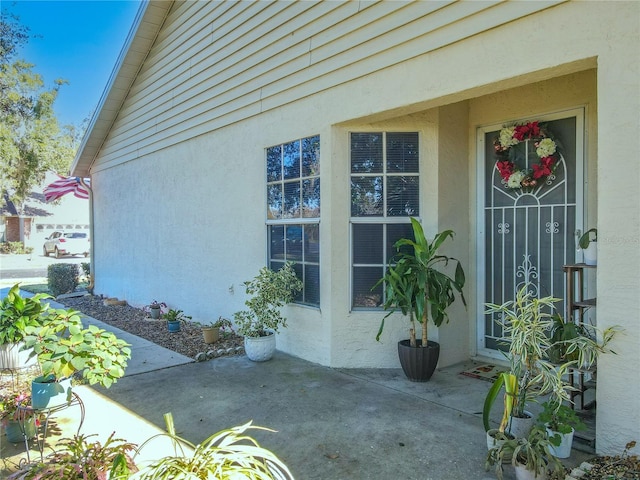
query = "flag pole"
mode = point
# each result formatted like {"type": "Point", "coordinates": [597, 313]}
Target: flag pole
{"type": "Point", "coordinates": [91, 262]}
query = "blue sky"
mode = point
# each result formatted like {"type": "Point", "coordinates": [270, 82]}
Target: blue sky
{"type": "Point", "coordinates": [79, 41]}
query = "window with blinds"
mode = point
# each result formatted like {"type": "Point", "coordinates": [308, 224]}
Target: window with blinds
{"type": "Point", "coordinates": [384, 194]}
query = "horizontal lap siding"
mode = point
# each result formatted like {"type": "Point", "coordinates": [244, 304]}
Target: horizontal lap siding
{"type": "Point", "coordinates": [215, 63]}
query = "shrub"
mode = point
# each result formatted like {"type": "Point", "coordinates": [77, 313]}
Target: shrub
{"type": "Point", "coordinates": [62, 278]}
{"type": "Point", "coordinates": [14, 248]}
{"type": "Point", "coordinates": [86, 269]}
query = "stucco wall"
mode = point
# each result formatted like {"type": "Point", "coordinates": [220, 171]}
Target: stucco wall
{"type": "Point", "coordinates": [195, 212]}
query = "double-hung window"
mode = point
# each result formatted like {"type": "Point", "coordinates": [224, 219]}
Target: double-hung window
{"type": "Point", "coordinates": [293, 212]}
{"type": "Point", "coordinates": [384, 194]}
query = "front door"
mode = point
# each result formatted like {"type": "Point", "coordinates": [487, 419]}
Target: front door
{"type": "Point", "coordinates": [527, 230]}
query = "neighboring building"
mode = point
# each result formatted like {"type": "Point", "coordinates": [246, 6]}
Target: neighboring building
{"type": "Point", "coordinates": [38, 219]}
{"type": "Point", "coordinates": [234, 134]}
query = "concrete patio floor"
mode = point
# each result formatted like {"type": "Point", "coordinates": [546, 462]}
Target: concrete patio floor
{"type": "Point", "coordinates": [331, 423]}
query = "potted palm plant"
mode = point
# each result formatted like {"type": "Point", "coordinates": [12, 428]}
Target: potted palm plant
{"type": "Point", "coordinates": [63, 347]}
{"type": "Point", "coordinates": [417, 287]}
{"type": "Point", "coordinates": [527, 322]}
{"type": "Point", "coordinates": [269, 291]}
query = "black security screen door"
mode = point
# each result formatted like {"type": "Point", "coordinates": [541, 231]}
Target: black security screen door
{"type": "Point", "coordinates": [528, 233]}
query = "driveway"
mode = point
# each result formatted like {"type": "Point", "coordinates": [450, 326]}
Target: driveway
{"type": "Point", "coordinates": [29, 268]}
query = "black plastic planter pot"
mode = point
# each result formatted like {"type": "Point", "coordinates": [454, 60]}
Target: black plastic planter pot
{"type": "Point", "coordinates": [418, 363]}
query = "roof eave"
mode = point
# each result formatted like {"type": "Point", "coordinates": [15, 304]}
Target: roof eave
{"type": "Point", "coordinates": [149, 19]}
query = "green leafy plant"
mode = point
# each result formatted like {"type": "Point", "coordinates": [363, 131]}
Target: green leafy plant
{"type": "Point", "coordinates": [224, 455]}
{"type": "Point", "coordinates": [15, 248]}
{"type": "Point", "coordinates": [10, 402]}
{"type": "Point", "coordinates": [417, 287]}
{"type": "Point", "coordinates": [560, 418]}
{"type": "Point", "coordinates": [81, 459]}
{"type": "Point", "coordinates": [62, 278]}
{"type": "Point", "coordinates": [156, 309]}
{"type": "Point", "coordinates": [63, 347]}
{"type": "Point", "coordinates": [561, 333]}
{"type": "Point", "coordinates": [587, 237]}
{"type": "Point", "coordinates": [531, 452]}
{"type": "Point", "coordinates": [223, 324]}
{"type": "Point", "coordinates": [176, 316]}
{"type": "Point", "coordinates": [527, 322]}
{"type": "Point", "coordinates": [86, 269]}
{"type": "Point", "coordinates": [17, 313]}
{"type": "Point", "coordinates": [269, 291]}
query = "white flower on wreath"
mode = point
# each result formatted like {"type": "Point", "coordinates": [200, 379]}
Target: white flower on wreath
{"type": "Point", "coordinates": [515, 179]}
{"type": "Point", "coordinates": [506, 137]}
{"type": "Point", "coordinates": [545, 148]}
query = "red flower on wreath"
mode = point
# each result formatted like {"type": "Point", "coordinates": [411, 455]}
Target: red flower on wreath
{"type": "Point", "coordinates": [514, 177]}
{"type": "Point", "coordinates": [505, 168]}
{"type": "Point", "coordinates": [543, 169]}
{"type": "Point", "coordinates": [527, 131]}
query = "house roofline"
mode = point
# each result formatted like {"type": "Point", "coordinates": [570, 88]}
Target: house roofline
{"type": "Point", "coordinates": [132, 56]}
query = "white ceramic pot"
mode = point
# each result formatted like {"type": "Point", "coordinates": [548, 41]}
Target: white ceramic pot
{"type": "Point", "coordinates": [590, 254]}
{"type": "Point", "coordinates": [491, 439]}
{"type": "Point", "coordinates": [13, 358]}
{"type": "Point", "coordinates": [520, 427]}
{"type": "Point", "coordinates": [260, 349]}
{"type": "Point", "coordinates": [566, 441]}
{"type": "Point", "coordinates": [523, 474]}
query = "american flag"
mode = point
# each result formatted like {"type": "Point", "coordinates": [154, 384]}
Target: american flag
{"type": "Point", "coordinates": [76, 185]}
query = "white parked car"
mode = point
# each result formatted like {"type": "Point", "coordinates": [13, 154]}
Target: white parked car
{"type": "Point", "coordinates": [66, 243]}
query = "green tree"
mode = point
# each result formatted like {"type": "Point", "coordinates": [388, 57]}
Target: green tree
{"type": "Point", "coordinates": [31, 140]}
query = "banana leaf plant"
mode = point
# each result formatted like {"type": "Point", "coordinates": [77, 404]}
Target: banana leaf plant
{"type": "Point", "coordinates": [417, 286]}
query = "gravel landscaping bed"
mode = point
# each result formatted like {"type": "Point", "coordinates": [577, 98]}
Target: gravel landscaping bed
{"type": "Point", "coordinates": [189, 341]}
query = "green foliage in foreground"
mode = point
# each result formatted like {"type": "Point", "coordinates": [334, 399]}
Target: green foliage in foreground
{"type": "Point", "coordinates": [229, 454]}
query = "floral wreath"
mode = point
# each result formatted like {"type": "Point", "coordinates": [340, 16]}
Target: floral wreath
{"type": "Point", "coordinates": [546, 150]}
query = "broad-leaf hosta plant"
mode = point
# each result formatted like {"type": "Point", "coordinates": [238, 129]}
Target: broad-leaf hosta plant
{"type": "Point", "coordinates": [17, 313]}
{"type": "Point", "coordinates": [63, 346]}
{"type": "Point", "coordinates": [417, 285]}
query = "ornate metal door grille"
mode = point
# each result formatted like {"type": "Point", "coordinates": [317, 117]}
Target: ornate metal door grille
{"type": "Point", "coordinates": [527, 234]}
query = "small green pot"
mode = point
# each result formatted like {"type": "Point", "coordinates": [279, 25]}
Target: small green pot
{"type": "Point", "coordinates": [13, 429]}
{"type": "Point", "coordinates": [46, 393]}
